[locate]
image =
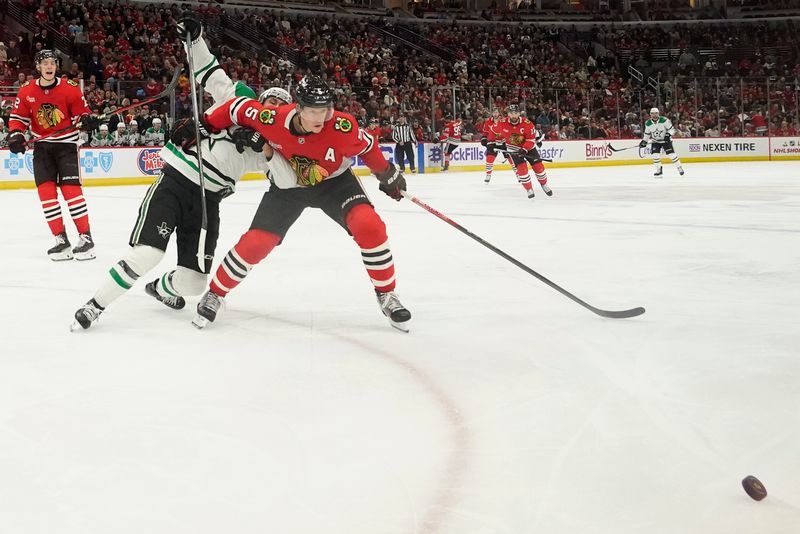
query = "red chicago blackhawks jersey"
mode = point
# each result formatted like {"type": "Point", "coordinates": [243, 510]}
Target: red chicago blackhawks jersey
{"type": "Point", "coordinates": [452, 132]}
{"type": "Point", "coordinates": [488, 129]}
{"type": "Point", "coordinates": [521, 134]}
{"type": "Point", "coordinates": [47, 110]}
{"type": "Point", "coordinates": [314, 157]}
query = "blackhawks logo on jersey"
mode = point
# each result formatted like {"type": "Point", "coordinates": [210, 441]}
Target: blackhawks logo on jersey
{"type": "Point", "coordinates": [343, 125]}
{"type": "Point", "coordinates": [72, 83]}
{"type": "Point", "coordinates": [516, 139]}
{"type": "Point", "coordinates": [49, 116]}
{"type": "Point", "coordinates": [308, 171]}
{"type": "Point", "coordinates": [267, 116]}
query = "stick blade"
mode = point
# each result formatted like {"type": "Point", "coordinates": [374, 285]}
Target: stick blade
{"type": "Point", "coordinates": [622, 314]}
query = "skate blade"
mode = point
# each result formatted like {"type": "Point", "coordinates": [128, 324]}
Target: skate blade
{"type": "Point", "coordinates": [85, 256]}
{"type": "Point", "coordinates": [76, 327]}
{"type": "Point", "coordinates": [200, 322]}
{"type": "Point", "coordinates": [60, 257]}
{"type": "Point", "coordinates": [403, 327]}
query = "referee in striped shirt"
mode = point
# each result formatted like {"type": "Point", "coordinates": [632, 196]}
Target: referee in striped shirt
{"type": "Point", "coordinates": [403, 135]}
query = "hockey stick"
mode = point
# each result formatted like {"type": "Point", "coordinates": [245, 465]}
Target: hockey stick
{"type": "Point", "coordinates": [621, 149]}
{"type": "Point", "coordinates": [201, 245]}
{"type": "Point", "coordinates": [166, 92]}
{"type": "Point", "coordinates": [622, 314]}
{"type": "Point", "coordinates": [509, 151]}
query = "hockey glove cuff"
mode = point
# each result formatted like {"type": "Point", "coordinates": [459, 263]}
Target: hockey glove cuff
{"type": "Point", "coordinates": [642, 143]}
{"type": "Point", "coordinates": [189, 26]}
{"type": "Point", "coordinates": [392, 182]}
{"type": "Point", "coordinates": [16, 143]}
{"type": "Point", "coordinates": [245, 138]}
{"type": "Point", "coordinates": [667, 138]}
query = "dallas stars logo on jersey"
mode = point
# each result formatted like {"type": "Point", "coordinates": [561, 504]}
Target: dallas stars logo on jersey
{"type": "Point", "coordinates": [308, 171]}
{"type": "Point", "coordinates": [49, 115]}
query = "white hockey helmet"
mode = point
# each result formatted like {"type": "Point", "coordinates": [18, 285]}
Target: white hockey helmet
{"type": "Point", "coordinates": [653, 110]}
{"type": "Point", "coordinates": [134, 123]}
{"type": "Point", "coordinates": [104, 127]}
{"type": "Point", "coordinates": [156, 121]}
{"type": "Point", "coordinates": [276, 92]}
{"type": "Point", "coordinates": [120, 124]}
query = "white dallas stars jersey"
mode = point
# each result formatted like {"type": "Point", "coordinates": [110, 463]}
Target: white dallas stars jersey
{"type": "Point", "coordinates": [223, 166]}
{"type": "Point", "coordinates": [657, 131]}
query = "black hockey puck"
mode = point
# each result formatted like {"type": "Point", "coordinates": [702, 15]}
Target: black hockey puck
{"type": "Point", "coordinates": [754, 488]}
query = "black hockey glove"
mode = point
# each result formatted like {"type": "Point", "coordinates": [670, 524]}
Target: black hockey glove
{"type": "Point", "coordinates": [539, 140]}
{"type": "Point", "coordinates": [667, 138]}
{"type": "Point", "coordinates": [248, 138]}
{"type": "Point", "coordinates": [189, 25]}
{"type": "Point", "coordinates": [183, 132]}
{"type": "Point", "coordinates": [16, 143]}
{"type": "Point", "coordinates": [89, 123]}
{"type": "Point", "coordinates": [642, 143]}
{"type": "Point", "coordinates": [484, 141]}
{"type": "Point", "coordinates": [392, 182]}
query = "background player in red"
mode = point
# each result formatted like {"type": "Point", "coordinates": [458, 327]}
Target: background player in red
{"type": "Point", "coordinates": [450, 139]}
{"type": "Point", "coordinates": [488, 135]}
{"type": "Point", "coordinates": [47, 105]}
{"type": "Point", "coordinates": [319, 143]}
{"type": "Point", "coordinates": [521, 141]}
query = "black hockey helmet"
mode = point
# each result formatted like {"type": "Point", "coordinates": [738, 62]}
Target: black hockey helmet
{"type": "Point", "coordinates": [313, 92]}
{"type": "Point", "coordinates": [41, 55]}
{"type": "Point", "coordinates": [513, 108]}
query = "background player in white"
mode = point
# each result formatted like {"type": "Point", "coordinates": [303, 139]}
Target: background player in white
{"type": "Point", "coordinates": [173, 202]}
{"type": "Point", "coordinates": [659, 131]}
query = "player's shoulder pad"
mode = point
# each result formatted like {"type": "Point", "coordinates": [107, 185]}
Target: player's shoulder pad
{"type": "Point", "coordinates": [344, 122]}
{"type": "Point", "coordinates": [662, 120]}
{"type": "Point", "coordinates": [648, 122]}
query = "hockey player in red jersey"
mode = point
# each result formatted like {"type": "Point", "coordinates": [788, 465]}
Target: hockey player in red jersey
{"type": "Point", "coordinates": [319, 143]}
{"type": "Point", "coordinates": [47, 105]}
{"type": "Point", "coordinates": [450, 139]}
{"type": "Point", "coordinates": [519, 138]}
{"type": "Point", "coordinates": [488, 135]}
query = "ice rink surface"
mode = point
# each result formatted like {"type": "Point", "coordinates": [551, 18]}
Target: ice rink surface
{"type": "Point", "coordinates": [508, 409]}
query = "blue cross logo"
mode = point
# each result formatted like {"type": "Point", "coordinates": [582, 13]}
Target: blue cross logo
{"type": "Point", "coordinates": [14, 163]}
{"type": "Point", "coordinates": [89, 162]}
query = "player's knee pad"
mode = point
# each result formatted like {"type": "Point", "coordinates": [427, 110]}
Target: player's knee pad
{"type": "Point", "coordinates": [188, 282]}
{"type": "Point", "coordinates": [365, 225]}
{"type": "Point", "coordinates": [71, 190]}
{"type": "Point", "coordinates": [47, 191]}
{"type": "Point", "coordinates": [143, 258]}
{"type": "Point", "coordinates": [255, 244]}
{"type": "Point", "coordinates": [490, 156]}
{"type": "Point", "coordinates": [522, 168]}
{"type": "Point", "coordinates": [538, 168]}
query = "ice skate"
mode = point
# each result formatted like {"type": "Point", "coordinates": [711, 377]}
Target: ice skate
{"type": "Point", "coordinates": [488, 178]}
{"type": "Point", "coordinates": [399, 317]}
{"type": "Point", "coordinates": [84, 250]}
{"type": "Point", "coordinates": [207, 309]}
{"type": "Point", "coordinates": [659, 173]}
{"type": "Point", "coordinates": [530, 192]}
{"type": "Point", "coordinates": [62, 251]}
{"type": "Point", "coordinates": [680, 171]}
{"type": "Point", "coordinates": [547, 190]}
{"type": "Point", "coordinates": [176, 303]}
{"type": "Point", "coordinates": [87, 315]}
